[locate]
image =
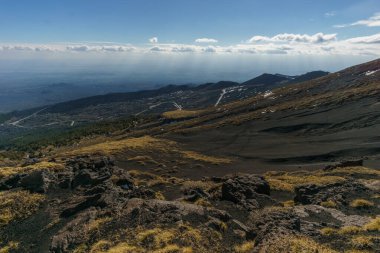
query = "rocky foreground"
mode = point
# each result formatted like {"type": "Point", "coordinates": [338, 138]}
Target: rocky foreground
{"type": "Point", "coordinates": [87, 204]}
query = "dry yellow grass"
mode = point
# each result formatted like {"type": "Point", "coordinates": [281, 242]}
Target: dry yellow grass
{"type": "Point", "coordinates": [328, 231]}
{"type": "Point", "coordinates": [96, 224]}
{"type": "Point", "coordinates": [204, 158]}
{"type": "Point", "coordinates": [10, 247]}
{"type": "Point", "coordinates": [100, 246]}
{"type": "Point", "coordinates": [187, 250]}
{"type": "Point", "coordinates": [203, 185]}
{"type": "Point", "coordinates": [296, 244]}
{"type": "Point", "coordinates": [125, 248]}
{"type": "Point", "coordinates": [362, 242]}
{"type": "Point", "coordinates": [16, 205]}
{"type": "Point", "coordinates": [181, 114]}
{"type": "Point", "coordinates": [288, 181]}
{"type": "Point", "coordinates": [172, 248]}
{"type": "Point", "coordinates": [9, 171]}
{"type": "Point", "coordinates": [145, 143]}
{"type": "Point", "coordinates": [352, 171]}
{"type": "Point", "coordinates": [245, 247]}
{"type": "Point", "coordinates": [191, 234]}
{"type": "Point", "coordinates": [350, 230]}
{"type": "Point", "coordinates": [361, 203]}
{"type": "Point", "coordinates": [328, 204]}
{"type": "Point", "coordinates": [158, 236]}
{"type": "Point", "coordinates": [357, 251]}
{"type": "Point", "coordinates": [279, 185]}
{"type": "Point", "coordinates": [203, 202]}
{"type": "Point", "coordinates": [143, 159]}
{"type": "Point", "coordinates": [159, 195]}
{"type": "Point", "coordinates": [104, 246]}
{"type": "Point", "coordinates": [182, 239]}
{"type": "Point", "coordinates": [82, 248]}
{"type": "Point", "coordinates": [113, 147]}
{"type": "Point", "coordinates": [373, 225]}
{"type": "Point", "coordinates": [150, 179]}
{"type": "Point", "coordinates": [288, 203]}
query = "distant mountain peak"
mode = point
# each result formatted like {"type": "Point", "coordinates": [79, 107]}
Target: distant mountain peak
{"type": "Point", "coordinates": [274, 79]}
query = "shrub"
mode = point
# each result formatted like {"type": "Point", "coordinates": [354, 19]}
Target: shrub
{"type": "Point", "coordinates": [124, 248]}
{"type": "Point", "coordinates": [296, 244]}
{"type": "Point", "coordinates": [361, 203]}
{"type": "Point", "coordinates": [328, 204]}
{"type": "Point", "coordinates": [96, 224]}
{"type": "Point", "coordinates": [16, 205]}
{"type": "Point", "coordinates": [11, 246]}
{"type": "Point", "coordinates": [349, 230]}
{"type": "Point", "coordinates": [203, 202]}
{"type": "Point", "coordinates": [288, 203]}
{"type": "Point", "coordinates": [288, 181]}
{"type": "Point", "coordinates": [362, 242]}
{"type": "Point", "coordinates": [373, 225]}
{"type": "Point", "coordinates": [158, 195]}
{"type": "Point", "coordinates": [180, 114]}
{"type": "Point", "coordinates": [245, 247]}
{"type": "Point", "coordinates": [328, 231]}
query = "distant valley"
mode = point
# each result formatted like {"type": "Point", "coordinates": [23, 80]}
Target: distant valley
{"type": "Point", "coordinates": [219, 167]}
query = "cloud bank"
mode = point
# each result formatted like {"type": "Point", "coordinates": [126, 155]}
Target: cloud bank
{"type": "Point", "coordinates": [290, 37]}
{"type": "Point", "coordinates": [284, 43]}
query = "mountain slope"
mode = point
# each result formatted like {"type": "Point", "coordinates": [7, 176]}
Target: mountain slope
{"type": "Point", "coordinates": [188, 180]}
{"type": "Point", "coordinates": [327, 119]}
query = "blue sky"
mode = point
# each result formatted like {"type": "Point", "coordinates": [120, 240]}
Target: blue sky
{"type": "Point", "coordinates": [180, 21]}
{"type": "Point", "coordinates": [85, 35]}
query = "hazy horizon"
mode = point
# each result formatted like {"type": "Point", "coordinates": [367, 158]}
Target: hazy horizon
{"type": "Point", "coordinates": [97, 47]}
{"type": "Point", "coordinates": [145, 43]}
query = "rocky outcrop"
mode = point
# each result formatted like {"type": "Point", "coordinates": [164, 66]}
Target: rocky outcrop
{"type": "Point", "coordinates": [271, 223]}
{"type": "Point", "coordinates": [350, 163]}
{"type": "Point", "coordinates": [336, 217]}
{"type": "Point", "coordinates": [36, 181]}
{"type": "Point", "coordinates": [142, 212]}
{"type": "Point", "coordinates": [249, 191]}
{"type": "Point", "coordinates": [195, 194]}
{"type": "Point", "coordinates": [79, 171]}
{"type": "Point", "coordinates": [339, 192]}
{"type": "Point", "coordinates": [138, 213]}
{"type": "Point", "coordinates": [73, 233]}
{"type": "Point", "coordinates": [10, 182]}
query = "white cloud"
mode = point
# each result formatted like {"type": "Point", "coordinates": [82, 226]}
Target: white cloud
{"type": "Point", "coordinates": [78, 48]}
{"type": "Point", "coordinates": [209, 49]}
{"type": "Point", "coordinates": [370, 22]}
{"type": "Point", "coordinates": [206, 40]}
{"type": "Point", "coordinates": [158, 49]}
{"type": "Point", "coordinates": [153, 40]}
{"type": "Point", "coordinates": [291, 37]}
{"type": "Point", "coordinates": [290, 44]}
{"type": "Point", "coordinates": [183, 49]}
{"type": "Point", "coordinates": [372, 39]}
{"type": "Point", "coordinates": [330, 14]}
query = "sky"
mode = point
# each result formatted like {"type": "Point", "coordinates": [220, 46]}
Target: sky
{"type": "Point", "coordinates": [151, 42]}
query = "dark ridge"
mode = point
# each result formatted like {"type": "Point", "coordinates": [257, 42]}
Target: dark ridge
{"type": "Point", "coordinates": [218, 85]}
{"type": "Point", "coordinates": [309, 76]}
{"type": "Point", "coordinates": [112, 98]}
{"type": "Point", "coordinates": [296, 128]}
{"type": "Point", "coordinates": [267, 79]}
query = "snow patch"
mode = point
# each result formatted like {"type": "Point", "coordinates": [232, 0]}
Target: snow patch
{"type": "Point", "coordinates": [267, 94]}
{"type": "Point", "coordinates": [368, 73]}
